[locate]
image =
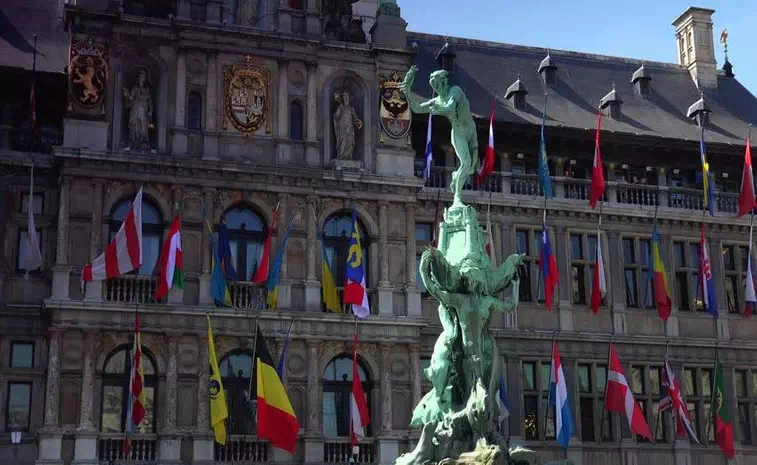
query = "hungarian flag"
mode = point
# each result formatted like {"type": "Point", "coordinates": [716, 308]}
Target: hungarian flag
{"type": "Point", "coordinates": [261, 273]}
{"type": "Point", "coordinates": [660, 277]}
{"type": "Point", "coordinates": [746, 199]}
{"type": "Point", "coordinates": [359, 415]}
{"type": "Point", "coordinates": [548, 265]}
{"type": "Point", "coordinates": [124, 253]}
{"type": "Point", "coordinates": [721, 413]}
{"type": "Point", "coordinates": [276, 419]}
{"type": "Point", "coordinates": [487, 164]}
{"type": "Point", "coordinates": [136, 403]}
{"type": "Point", "coordinates": [171, 268]}
{"type": "Point", "coordinates": [620, 398]}
{"type": "Point", "coordinates": [599, 283]}
{"type": "Point", "coordinates": [597, 174]}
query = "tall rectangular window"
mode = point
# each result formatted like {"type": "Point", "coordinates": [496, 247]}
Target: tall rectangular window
{"type": "Point", "coordinates": [735, 262]}
{"type": "Point", "coordinates": [18, 406]}
{"type": "Point", "coordinates": [645, 383]}
{"type": "Point", "coordinates": [22, 354]}
{"type": "Point", "coordinates": [637, 261]}
{"type": "Point", "coordinates": [535, 384]}
{"type": "Point", "coordinates": [743, 414]}
{"type": "Point", "coordinates": [528, 243]}
{"type": "Point", "coordinates": [687, 287]}
{"type": "Point", "coordinates": [583, 250]}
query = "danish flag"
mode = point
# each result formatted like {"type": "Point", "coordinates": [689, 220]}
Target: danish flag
{"type": "Point", "coordinates": [620, 398]}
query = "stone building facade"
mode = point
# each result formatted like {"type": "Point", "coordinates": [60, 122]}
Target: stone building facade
{"type": "Point", "coordinates": [226, 110]}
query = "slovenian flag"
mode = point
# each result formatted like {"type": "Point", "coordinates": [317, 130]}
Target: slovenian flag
{"type": "Point", "coordinates": [355, 289]}
{"type": "Point", "coordinates": [750, 297]}
{"type": "Point", "coordinates": [502, 402]}
{"type": "Point", "coordinates": [559, 400]}
{"type": "Point", "coordinates": [709, 298]}
{"type": "Point", "coordinates": [660, 277]}
{"type": "Point", "coordinates": [429, 149]}
{"type": "Point", "coordinates": [548, 265]}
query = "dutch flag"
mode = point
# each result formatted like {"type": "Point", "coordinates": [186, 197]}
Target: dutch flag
{"type": "Point", "coordinates": [559, 399]}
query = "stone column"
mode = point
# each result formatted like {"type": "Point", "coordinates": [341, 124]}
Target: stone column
{"type": "Point", "coordinates": [203, 437]}
{"type": "Point", "coordinates": [86, 435]}
{"type": "Point", "coordinates": [285, 285]}
{"type": "Point", "coordinates": [118, 83]}
{"type": "Point", "coordinates": [388, 442]}
{"type": "Point", "coordinates": [313, 433]}
{"type": "Point", "coordinates": [385, 290]}
{"type": "Point", "coordinates": [210, 143]}
{"type": "Point", "coordinates": [50, 436]}
{"type": "Point", "coordinates": [94, 291]}
{"type": "Point", "coordinates": [208, 200]}
{"type": "Point", "coordinates": [62, 269]}
{"type": "Point", "coordinates": [415, 373]}
{"type": "Point", "coordinates": [283, 150]}
{"type": "Point", "coordinates": [179, 126]}
{"type": "Point", "coordinates": [413, 294]}
{"type": "Point", "coordinates": [312, 151]}
{"type": "Point", "coordinates": [170, 441]}
{"type": "Point", "coordinates": [312, 285]}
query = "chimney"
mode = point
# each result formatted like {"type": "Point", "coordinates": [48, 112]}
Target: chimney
{"type": "Point", "coordinates": [695, 46]}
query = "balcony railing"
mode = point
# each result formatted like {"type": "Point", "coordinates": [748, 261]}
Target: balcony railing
{"type": "Point", "coordinates": [132, 289]}
{"type": "Point", "coordinates": [342, 452]}
{"type": "Point", "coordinates": [246, 294]}
{"type": "Point", "coordinates": [648, 195]}
{"type": "Point", "coordinates": [241, 449]}
{"type": "Point", "coordinates": [142, 449]}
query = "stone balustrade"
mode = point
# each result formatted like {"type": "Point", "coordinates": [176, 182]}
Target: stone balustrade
{"type": "Point", "coordinates": [131, 289]}
{"type": "Point", "coordinates": [342, 452]}
{"type": "Point", "coordinates": [242, 449]}
{"type": "Point", "coordinates": [143, 449]}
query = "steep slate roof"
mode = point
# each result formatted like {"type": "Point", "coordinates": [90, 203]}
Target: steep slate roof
{"type": "Point", "coordinates": [582, 80]}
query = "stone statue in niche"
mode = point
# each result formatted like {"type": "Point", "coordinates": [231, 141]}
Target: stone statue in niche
{"type": "Point", "coordinates": [346, 123]}
{"type": "Point", "coordinates": [138, 100]}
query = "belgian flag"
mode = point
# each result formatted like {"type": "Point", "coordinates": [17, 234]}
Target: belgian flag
{"type": "Point", "coordinates": [276, 419]}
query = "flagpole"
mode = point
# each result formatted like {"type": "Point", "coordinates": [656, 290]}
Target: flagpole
{"type": "Point", "coordinates": [711, 420]}
{"type": "Point", "coordinates": [549, 390]}
{"type": "Point", "coordinates": [659, 413]}
{"type": "Point", "coordinates": [607, 382]}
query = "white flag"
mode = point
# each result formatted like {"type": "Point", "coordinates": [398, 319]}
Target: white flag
{"type": "Point", "coordinates": [32, 258]}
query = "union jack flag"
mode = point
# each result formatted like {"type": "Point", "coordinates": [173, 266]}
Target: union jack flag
{"type": "Point", "coordinates": [673, 402]}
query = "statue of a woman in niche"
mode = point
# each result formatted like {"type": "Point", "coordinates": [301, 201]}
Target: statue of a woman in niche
{"type": "Point", "coordinates": [346, 122]}
{"type": "Point", "coordinates": [139, 102]}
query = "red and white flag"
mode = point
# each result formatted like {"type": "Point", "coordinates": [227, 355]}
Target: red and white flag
{"type": "Point", "coordinates": [489, 247]}
{"type": "Point", "coordinates": [124, 253]}
{"type": "Point", "coordinates": [487, 164]}
{"type": "Point", "coordinates": [359, 415]}
{"type": "Point", "coordinates": [597, 175]}
{"type": "Point", "coordinates": [746, 199]}
{"type": "Point", "coordinates": [171, 262]}
{"type": "Point", "coordinates": [620, 398]}
{"type": "Point", "coordinates": [599, 283]}
{"type": "Point", "coordinates": [136, 404]}
{"type": "Point", "coordinates": [674, 403]}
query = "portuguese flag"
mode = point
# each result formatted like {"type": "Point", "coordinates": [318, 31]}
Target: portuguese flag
{"type": "Point", "coordinates": [171, 267]}
{"type": "Point", "coordinates": [276, 419]}
{"type": "Point", "coordinates": [722, 414]}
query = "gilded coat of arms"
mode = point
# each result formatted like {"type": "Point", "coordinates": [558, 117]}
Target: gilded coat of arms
{"type": "Point", "coordinates": [393, 107]}
{"type": "Point", "coordinates": [88, 70]}
{"type": "Point", "coordinates": [247, 98]}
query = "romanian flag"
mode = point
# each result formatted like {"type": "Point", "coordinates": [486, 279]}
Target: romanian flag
{"type": "Point", "coordinates": [276, 419]}
{"type": "Point", "coordinates": [261, 273]}
{"type": "Point", "coordinates": [328, 285]}
{"type": "Point", "coordinates": [272, 285]}
{"type": "Point", "coordinates": [660, 277]}
{"type": "Point", "coordinates": [135, 410]}
{"type": "Point", "coordinates": [219, 411]}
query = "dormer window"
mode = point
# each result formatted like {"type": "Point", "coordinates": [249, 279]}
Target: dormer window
{"type": "Point", "coordinates": [516, 93]}
{"type": "Point", "coordinates": [613, 104]}
{"type": "Point", "coordinates": [641, 81]}
{"type": "Point", "coordinates": [548, 71]}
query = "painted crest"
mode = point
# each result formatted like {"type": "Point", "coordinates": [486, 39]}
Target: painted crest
{"type": "Point", "coordinates": [393, 107]}
{"type": "Point", "coordinates": [88, 70]}
{"type": "Point", "coordinates": [247, 96]}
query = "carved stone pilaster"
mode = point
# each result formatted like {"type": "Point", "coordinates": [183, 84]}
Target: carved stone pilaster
{"type": "Point", "coordinates": [312, 236]}
{"type": "Point", "coordinates": [53, 380]}
{"type": "Point", "coordinates": [203, 424]}
{"type": "Point", "coordinates": [86, 422]}
{"type": "Point", "coordinates": [385, 351]}
{"type": "Point", "coordinates": [95, 246]}
{"type": "Point", "coordinates": [61, 256]}
{"type": "Point", "coordinates": [410, 231]}
{"type": "Point", "coordinates": [383, 238]}
{"type": "Point", "coordinates": [313, 425]}
{"type": "Point", "coordinates": [282, 223]}
{"type": "Point", "coordinates": [171, 384]}
{"type": "Point", "coordinates": [209, 202]}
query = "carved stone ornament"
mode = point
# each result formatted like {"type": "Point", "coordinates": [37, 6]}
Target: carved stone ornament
{"type": "Point", "coordinates": [87, 70]}
{"type": "Point", "coordinates": [393, 107]}
{"type": "Point", "coordinates": [247, 99]}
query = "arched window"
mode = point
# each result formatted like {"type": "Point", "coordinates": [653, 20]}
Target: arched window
{"type": "Point", "coordinates": [295, 120]}
{"type": "Point", "coordinates": [115, 391]}
{"type": "Point", "coordinates": [336, 240]}
{"type": "Point", "coordinates": [194, 111]}
{"type": "Point", "coordinates": [152, 232]}
{"type": "Point", "coordinates": [337, 389]}
{"type": "Point", "coordinates": [236, 371]}
{"type": "Point", "coordinates": [247, 232]}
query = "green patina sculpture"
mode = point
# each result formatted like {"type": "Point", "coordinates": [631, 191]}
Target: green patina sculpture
{"type": "Point", "coordinates": [459, 414]}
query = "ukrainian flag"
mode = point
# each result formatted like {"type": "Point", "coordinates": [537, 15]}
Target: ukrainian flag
{"type": "Point", "coordinates": [272, 285]}
{"type": "Point", "coordinates": [328, 286]}
{"type": "Point", "coordinates": [218, 409]}
{"type": "Point", "coordinates": [276, 419]}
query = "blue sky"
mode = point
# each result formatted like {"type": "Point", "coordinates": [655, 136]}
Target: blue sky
{"type": "Point", "coordinates": [634, 29]}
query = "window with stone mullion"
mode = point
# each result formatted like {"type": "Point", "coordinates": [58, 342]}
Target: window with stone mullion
{"type": "Point", "coordinates": [535, 401]}
{"type": "Point", "coordinates": [645, 384]}
{"type": "Point", "coordinates": [528, 243]}
{"type": "Point", "coordinates": [696, 388]}
{"type": "Point", "coordinates": [637, 260]}
{"type": "Point", "coordinates": [583, 251]}
{"type": "Point", "coordinates": [745, 404]}
{"type": "Point", "coordinates": [592, 379]}
{"type": "Point", "coordinates": [735, 261]}
{"type": "Point", "coordinates": [687, 286]}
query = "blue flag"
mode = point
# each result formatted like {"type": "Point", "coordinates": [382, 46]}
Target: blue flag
{"type": "Point", "coordinates": [272, 284]}
{"type": "Point", "coordinates": [429, 149]}
{"type": "Point", "coordinates": [355, 288]}
{"type": "Point", "coordinates": [280, 366]}
{"type": "Point", "coordinates": [546, 180]}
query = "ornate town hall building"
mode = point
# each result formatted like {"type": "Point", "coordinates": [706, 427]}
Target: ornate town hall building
{"type": "Point", "coordinates": [236, 106]}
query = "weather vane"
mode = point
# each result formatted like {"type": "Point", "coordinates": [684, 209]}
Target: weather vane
{"type": "Point", "coordinates": [724, 41]}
